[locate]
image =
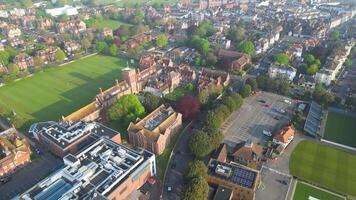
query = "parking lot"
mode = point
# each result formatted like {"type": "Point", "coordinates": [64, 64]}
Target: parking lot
{"type": "Point", "coordinates": [274, 185]}
{"type": "Point", "coordinates": [259, 112]}
{"type": "Point", "coordinates": [29, 175]}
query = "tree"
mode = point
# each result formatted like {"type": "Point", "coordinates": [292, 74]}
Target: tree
{"type": "Point", "coordinates": [348, 62]}
{"type": "Point", "coordinates": [195, 169]}
{"type": "Point", "coordinates": [13, 69]}
{"type": "Point", "coordinates": [59, 55]}
{"type": "Point", "coordinates": [230, 103]}
{"type": "Point", "coordinates": [335, 35]}
{"type": "Point", "coordinates": [12, 52]}
{"type": "Point", "coordinates": [281, 58]}
{"type": "Point", "coordinates": [298, 119]}
{"type": "Point", "coordinates": [238, 99]}
{"type": "Point", "coordinates": [247, 47]}
{"type": "Point", "coordinates": [253, 83]}
{"type": "Point", "coordinates": [246, 91]}
{"type": "Point", "coordinates": [197, 189]}
{"type": "Point", "coordinates": [214, 119]}
{"type": "Point", "coordinates": [101, 46]}
{"type": "Point", "coordinates": [162, 40]}
{"type": "Point", "coordinates": [237, 34]}
{"type": "Point", "coordinates": [200, 139]}
{"type": "Point", "coordinates": [4, 57]}
{"type": "Point", "coordinates": [189, 106]}
{"type": "Point", "coordinates": [128, 108]}
{"type": "Point", "coordinates": [86, 44]}
{"type": "Point", "coordinates": [151, 102]}
{"type": "Point", "coordinates": [113, 50]}
{"type": "Point", "coordinates": [309, 59]}
{"type": "Point", "coordinates": [313, 69]}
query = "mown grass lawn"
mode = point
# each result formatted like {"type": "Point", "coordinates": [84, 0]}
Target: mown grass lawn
{"type": "Point", "coordinates": [179, 92]}
{"type": "Point", "coordinates": [324, 165]}
{"type": "Point", "coordinates": [341, 128]}
{"type": "Point", "coordinates": [109, 23]}
{"type": "Point", "coordinates": [304, 191]}
{"type": "Point", "coordinates": [59, 91]}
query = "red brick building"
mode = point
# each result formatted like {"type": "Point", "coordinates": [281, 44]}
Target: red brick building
{"type": "Point", "coordinates": [154, 132]}
{"type": "Point", "coordinates": [14, 151]}
{"type": "Point", "coordinates": [232, 60]}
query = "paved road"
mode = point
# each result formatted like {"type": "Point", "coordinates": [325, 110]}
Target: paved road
{"type": "Point", "coordinates": [174, 176]}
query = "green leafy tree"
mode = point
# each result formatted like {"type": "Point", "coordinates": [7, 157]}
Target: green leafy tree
{"type": "Point", "coordinates": [151, 102]}
{"type": "Point", "coordinates": [86, 44]}
{"type": "Point", "coordinates": [101, 46]}
{"type": "Point", "coordinates": [12, 52]}
{"type": "Point", "coordinates": [113, 50]}
{"type": "Point", "coordinates": [247, 47]}
{"type": "Point", "coordinates": [238, 99]}
{"type": "Point", "coordinates": [128, 108]}
{"type": "Point", "coordinates": [253, 83]}
{"type": "Point", "coordinates": [313, 69]}
{"type": "Point", "coordinates": [162, 40]}
{"type": "Point", "coordinates": [4, 57]}
{"type": "Point", "coordinates": [281, 58]}
{"type": "Point", "coordinates": [13, 69]}
{"type": "Point", "coordinates": [197, 189]}
{"type": "Point", "coordinates": [59, 55]}
{"type": "Point", "coordinates": [214, 119]}
{"type": "Point", "coordinates": [335, 35]}
{"type": "Point", "coordinates": [195, 169]}
{"type": "Point", "coordinates": [309, 59]}
{"type": "Point", "coordinates": [230, 103]}
{"type": "Point", "coordinates": [246, 90]}
{"type": "Point", "coordinates": [200, 139]}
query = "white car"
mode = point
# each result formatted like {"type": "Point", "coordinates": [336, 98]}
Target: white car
{"type": "Point", "coordinates": [169, 189]}
{"type": "Point", "coordinates": [287, 101]}
{"type": "Point", "coordinates": [281, 111]}
{"type": "Point", "coordinates": [267, 133]}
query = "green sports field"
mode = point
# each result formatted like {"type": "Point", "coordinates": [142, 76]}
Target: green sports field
{"type": "Point", "coordinates": [324, 165]}
{"type": "Point", "coordinates": [109, 23]}
{"type": "Point", "coordinates": [341, 128]}
{"type": "Point", "coordinates": [303, 191]}
{"type": "Point", "coordinates": [59, 91]}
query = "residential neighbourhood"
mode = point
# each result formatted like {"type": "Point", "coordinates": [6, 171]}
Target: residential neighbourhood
{"type": "Point", "coordinates": [178, 99]}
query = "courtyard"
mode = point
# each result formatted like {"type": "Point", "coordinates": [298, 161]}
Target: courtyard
{"type": "Point", "coordinates": [259, 112]}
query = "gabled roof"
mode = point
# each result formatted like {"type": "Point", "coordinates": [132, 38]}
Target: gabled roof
{"type": "Point", "coordinates": [284, 134]}
{"type": "Point", "coordinates": [247, 149]}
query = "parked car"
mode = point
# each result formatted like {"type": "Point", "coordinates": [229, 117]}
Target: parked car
{"type": "Point", "coordinates": [266, 105]}
{"type": "Point", "coordinates": [169, 188]}
{"type": "Point", "coordinates": [287, 101]}
{"type": "Point", "coordinates": [262, 101]}
{"type": "Point", "coordinates": [267, 133]}
{"type": "Point", "coordinates": [281, 111]}
{"type": "Point", "coordinates": [5, 179]}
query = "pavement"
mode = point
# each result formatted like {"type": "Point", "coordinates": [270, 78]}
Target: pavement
{"type": "Point", "coordinates": [174, 176]}
{"type": "Point", "coordinates": [254, 117]}
{"type": "Point", "coordinates": [27, 176]}
{"type": "Point", "coordinates": [274, 185]}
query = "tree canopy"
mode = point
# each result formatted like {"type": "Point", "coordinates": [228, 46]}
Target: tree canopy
{"type": "Point", "coordinates": [246, 90]}
{"type": "Point", "coordinates": [161, 40]}
{"type": "Point", "coordinates": [189, 106]}
{"type": "Point", "coordinates": [247, 47]}
{"type": "Point", "coordinates": [59, 55]}
{"type": "Point", "coordinates": [195, 169]}
{"type": "Point", "coordinates": [128, 108]}
{"type": "Point", "coordinates": [197, 189]}
{"type": "Point", "coordinates": [281, 58]}
{"type": "Point", "coordinates": [151, 102]}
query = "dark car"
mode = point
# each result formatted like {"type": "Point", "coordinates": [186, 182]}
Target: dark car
{"type": "Point", "coordinates": [5, 179]}
{"type": "Point", "coordinates": [262, 101]}
{"type": "Point", "coordinates": [276, 118]}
